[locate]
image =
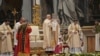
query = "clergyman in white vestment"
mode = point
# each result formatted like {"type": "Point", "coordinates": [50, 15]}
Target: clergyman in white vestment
{"type": "Point", "coordinates": [17, 25]}
{"type": "Point", "coordinates": [6, 43]}
{"type": "Point", "coordinates": [47, 32]}
{"type": "Point", "coordinates": [74, 40]}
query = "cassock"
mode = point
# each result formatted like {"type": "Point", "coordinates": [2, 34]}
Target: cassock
{"type": "Point", "coordinates": [47, 33]}
{"type": "Point", "coordinates": [74, 40]}
{"type": "Point", "coordinates": [97, 37]}
{"type": "Point", "coordinates": [6, 43]}
{"type": "Point", "coordinates": [23, 47]}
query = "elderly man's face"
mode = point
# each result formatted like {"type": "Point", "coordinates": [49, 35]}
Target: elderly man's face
{"type": "Point", "coordinates": [22, 20]}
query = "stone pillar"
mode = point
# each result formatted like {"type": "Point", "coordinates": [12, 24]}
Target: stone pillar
{"type": "Point", "coordinates": [86, 11]}
{"type": "Point", "coordinates": [55, 6]}
{"type": "Point", "coordinates": [0, 2]}
{"type": "Point", "coordinates": [43, 9]}
{"type": "Point", "coordinates": [26, 10]}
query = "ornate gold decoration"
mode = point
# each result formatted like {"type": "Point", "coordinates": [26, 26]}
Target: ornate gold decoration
{"type": "Point", "coordinates": [14, 13]}
{"type": "Point", "coordinates": [36, 15]}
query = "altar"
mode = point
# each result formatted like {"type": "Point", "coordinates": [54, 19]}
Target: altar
{"type": "Point", "coordinates": [89, 40]}
{"type": "Point", "coordinates": [36, 37]}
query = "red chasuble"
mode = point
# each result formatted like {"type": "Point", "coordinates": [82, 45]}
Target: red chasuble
{"type": "Point", "coordinates": [23, 47]}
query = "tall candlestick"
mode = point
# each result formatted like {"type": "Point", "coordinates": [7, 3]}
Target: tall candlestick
{"type": "Point", "coordinates": [14, 13]}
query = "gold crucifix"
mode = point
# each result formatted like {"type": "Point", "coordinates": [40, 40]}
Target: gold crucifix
{"type": "Point", "coordinates": [14, 13]}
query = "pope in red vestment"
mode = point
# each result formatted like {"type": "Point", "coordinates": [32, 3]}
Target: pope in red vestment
{"type": "Point", "coordinates": [23, 47]}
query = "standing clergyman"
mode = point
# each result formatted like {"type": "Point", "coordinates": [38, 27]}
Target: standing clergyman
{"type": "Point", "coordinates": [6, 43]}
{"type": "Point", "coordinates": [23, 38]}
{"type": "Point", "coordinates": [74, 40]}
{"type": "Point", "coordinates": [17, 25]}
{"type": "Point", "coordinates": [47, 32]}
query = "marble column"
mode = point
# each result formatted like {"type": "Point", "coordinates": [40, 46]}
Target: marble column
{"type": "Point", "coordinates": [0, 2]}
{"type": "Point", "coordinates": [55, 6]}
{"type": "Point", "coordinates": [86, 11]}
{"type": "Point", "coordinates": [43, 9]}
{"type": "Point", "coordinates": [27, 9]}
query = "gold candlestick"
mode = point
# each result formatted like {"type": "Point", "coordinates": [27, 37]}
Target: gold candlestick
{"type": "Point", "coordinates": [36, 15]}
{"type": "Point", "coordinates": [14, 13]}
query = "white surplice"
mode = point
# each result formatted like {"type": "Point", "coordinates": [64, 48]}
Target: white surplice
{"type": "Point", "coordinates": [6, 43]}
{"type": "Point", "coordinates": [17, 25]}
{"type": "Point", "coordinates": [74, 41]}
{"type": "Point", "coordinates": [47, 33]}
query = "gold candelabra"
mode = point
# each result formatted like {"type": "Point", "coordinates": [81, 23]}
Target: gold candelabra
{"type": "Point", "coordinates": [14, 13]}
{"type": "Point", "coordinates": [36, 15]}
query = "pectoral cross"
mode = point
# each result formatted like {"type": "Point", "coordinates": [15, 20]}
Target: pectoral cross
{"type": "Point", "coordinates": [14, 13]}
